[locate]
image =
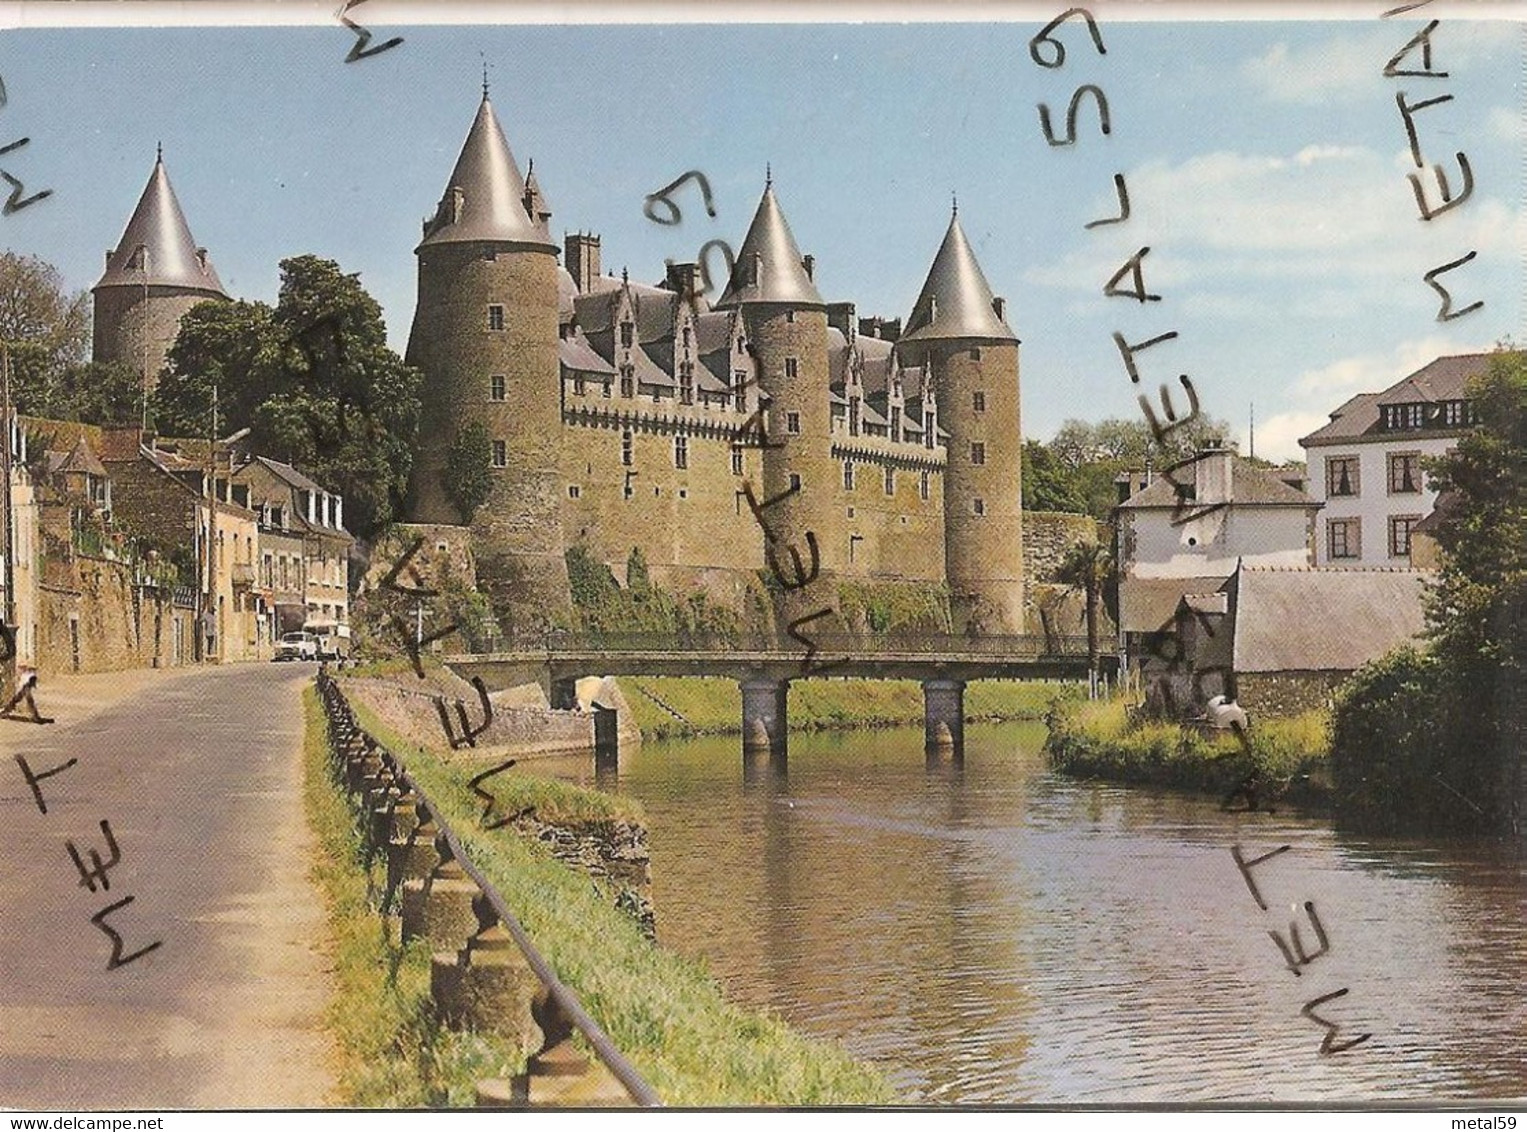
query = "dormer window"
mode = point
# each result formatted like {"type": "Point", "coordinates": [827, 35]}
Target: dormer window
{"type": "Point", "coordinates": [686, 384]}
{"type": "Point", "coordinates": [628, 334]}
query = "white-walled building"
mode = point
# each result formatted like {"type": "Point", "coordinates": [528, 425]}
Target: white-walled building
{"type": "Point", "coordinates": [1365, 466]}
{"type": "Point", "coordinates": [1189, 531]}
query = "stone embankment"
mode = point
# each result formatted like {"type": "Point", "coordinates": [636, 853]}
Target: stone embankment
{"type": "Point", "coordinates": [485, 976]}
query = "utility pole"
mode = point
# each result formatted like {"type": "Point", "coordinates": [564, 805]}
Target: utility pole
{"type": "Point", "coordinates": [212, 611]}
{"type": "Point", "coordinates": [143, 248]}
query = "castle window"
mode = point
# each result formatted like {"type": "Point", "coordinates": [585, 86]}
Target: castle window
{"type": "Point", "coordinates": [628, 334]}
{"type": "Point", "coordinates": [978, 401]}
{"type": "Point", "coordinates": [580, 387]}
{"type": "Point", "coordinates": [604, 388]}
{"type": "Point", "coordinates": [495, 316]}
{"type": "Point", "coordinates": [573, 491]}
{"type": "Point", "coordinates": [686, 337]}
{"type": "Point", "coordinates": [930, 434]}
{"type": "Point", "coordinates": [890, 481]}
{"type": "Point", "coordinates": [500, 454]}
{"type": "Point", "coordinates": [741, 345]}
{"type": "Point", "coordinates": [793, 423]}
{"type": "Point", "coordinates": [848, 475]}
{"type": "Point", "coordinates": [792, 367]}
{"type": "Point", "coordinates": [627, 441]}
{"type": "Point", "coordinates": [896, 425]}
{"type": "Point", "coordinates": [853, 416]}
{"type": "Point", "coordinates": [497, 387]}
{"type": "Point", "coordinates": [627, 381]}
{"type": "Point", "coordinates": [975, 353]}
{"type": "Point", "coordinates": [740, 391]}
{"type": "Point", "coordinates": [681, 452]}
{"type": "Point", "coordinates": [923, 487]}
{"type": "Point", "coordinates": [795, 481]}
{"type": "Point", "coordinates": [978, 453]}
{"type": "Point", "coordinates": [789, 316]}
{"type": "Point", "coordinates": [686, 384]}
{"type": "Point", "coordinates": [736, 461]}
{"type": "Point", "coordinates": [978, 506]}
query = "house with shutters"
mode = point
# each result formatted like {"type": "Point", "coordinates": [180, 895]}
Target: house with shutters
{"type": "Point", "coordinates": [1366, 466]}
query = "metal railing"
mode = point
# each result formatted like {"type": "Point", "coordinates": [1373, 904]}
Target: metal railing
{"type": "Point", "coordinates": [345, 731]}
{"type": "Point", "coordinates": [865, 646]}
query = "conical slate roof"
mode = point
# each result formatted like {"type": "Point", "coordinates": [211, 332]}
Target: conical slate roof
{"type": "Point", "coordinates": [769, 268]}
{"type": "Point", "coordinates": [956, 301]}
{"type": "Point", "coordinates": [492, 205]}
{"type": "Point", "coordinates": [158, 240]}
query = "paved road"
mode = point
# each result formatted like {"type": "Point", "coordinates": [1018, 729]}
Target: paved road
{"type": "Point", "coordinates": [198, 774]}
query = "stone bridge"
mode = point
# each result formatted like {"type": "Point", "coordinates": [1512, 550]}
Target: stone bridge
{"type": "Point", "coordinates": [942, 662]}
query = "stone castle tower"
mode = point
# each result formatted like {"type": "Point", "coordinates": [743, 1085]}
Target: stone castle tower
{"type": "Point", "coordinates": [786, 322]}
{"type": "Point", "coordinates": [957, 330]}
{"type": "Point", "coordinates": [485, 335]}
{"type": "Point", "coordinates": [154, 275]}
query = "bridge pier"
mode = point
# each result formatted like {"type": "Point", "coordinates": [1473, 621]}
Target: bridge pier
{"type": "Point", "coordinates": [944, 717]}
{"type": "Point", "coordinates": [564, 694]}
{"type": "Point", "coordinates": [765, 719]}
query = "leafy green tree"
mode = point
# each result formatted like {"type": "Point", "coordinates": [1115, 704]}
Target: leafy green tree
{"type": "Point", "coordinates": [313, 379]}
{"type": "Point", "coordinates": [46, 327]}
{"type": "Point", "coordinates": [1048, 484]}
{"type": "Point", "coordinates": [468, 480]}
{"type": "Point", "coordinates": [96, 393]}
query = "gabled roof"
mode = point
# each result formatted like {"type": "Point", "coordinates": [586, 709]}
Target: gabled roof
{"type": "Point", "coordinates": [81, 459]}
{"type": "Point", "coordinates": [157, 247]}
{"type": "Point", "coordinates": [1249, 486]}
{"type": "Point", "coordinates": [1322, 619]}
{"type": "Point", "coordinates": [768, 267]}
{"type": "Point", "coordinates": [956, 301]}
{"type": "Point", "coordinates": [577, 354]}
{"type": "Point", "coordinates": [288, 474]}
{"type": "Point", "coordinates": [492, 193]}
{"type": "Point", "coordinates": [1148, 605]}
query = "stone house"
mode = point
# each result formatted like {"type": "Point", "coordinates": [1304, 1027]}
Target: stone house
{"type": "Point", "coordinates": [303, 568]}
{"type": "Point", "coordinates": [1188, 530]}
{"type": "Point", "coordinates": [1279, 640]}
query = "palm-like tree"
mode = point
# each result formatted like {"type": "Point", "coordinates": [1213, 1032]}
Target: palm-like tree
{"type": "Point", "coordinates": [1088, 566]}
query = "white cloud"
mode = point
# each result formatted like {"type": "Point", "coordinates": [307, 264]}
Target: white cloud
{"type": "Point", "coordinates": [1505, 124]}
{"type": "Point", "coordinates": [1314, 394]}
{"type": "Point", "coordinates": [1353, 62]}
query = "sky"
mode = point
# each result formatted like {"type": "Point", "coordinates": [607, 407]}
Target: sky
{"type": "Point", "coordinates": [1265, 162]}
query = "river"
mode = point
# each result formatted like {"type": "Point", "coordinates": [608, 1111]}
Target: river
{"type": "Point", "coordinates": [996, 933]}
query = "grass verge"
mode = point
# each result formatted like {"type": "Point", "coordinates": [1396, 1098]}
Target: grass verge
{"type": "Point", "coordinates": [392, 1054]}
{"type": "Point", "coordinates": [665, 1012]}
{"type": "Point", "coordinates": [713, 706]}
{"type": "Point", "coordinates": [1288, 759]}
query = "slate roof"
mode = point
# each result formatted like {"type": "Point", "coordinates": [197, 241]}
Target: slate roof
{"type": "Point", "coordinates": [1147, 605]}
{"type": "Point", "coordinates": [1250, 486]}
{"type": "Point", "coordinates": [81, 459]}
{"type": "Point", "coordinates": [1357, 416]}
{"type": "Point", "coordinates": [768, 267]}
{"type": "Point", "coordinates": [158, 242]}
{"type": "Point", "coordinates": [578, 354]}
{"type": "Point", "coordinates": [956, 301]}
{"type": "Point", "coordinates": [1322, 619]}
{"type": "Point", "coordinates": [1443, 379]}
{"type": "Point", "coordinates": [492, 193]}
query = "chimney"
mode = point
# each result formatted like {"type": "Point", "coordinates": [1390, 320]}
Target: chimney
{"type": "Point", "coordinates": [840, 316]}
{"type": "Point", "coordinates": [890, 330]}
{"type": "Point", "coordinates": [582, 259]}
{"type": "Point", "coordinates": [809, 262]}
{"type": "Point", "coordinates": [870, 327]}
{"type": "Point", "coordinates": [683, 278]}
{"type": "Point", "coordinates": [1212, 474]}
{"type": "Point", "coordinates": [999, 305]}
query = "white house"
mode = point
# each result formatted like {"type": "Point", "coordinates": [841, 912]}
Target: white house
{"type": "Point", "coordinates": [1365, 465]}
{"type": "Point", "coordinates": [1187, 532]}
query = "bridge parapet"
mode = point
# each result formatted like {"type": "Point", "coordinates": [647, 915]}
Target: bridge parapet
{"type": "Point", "coordinates": [827, 647]}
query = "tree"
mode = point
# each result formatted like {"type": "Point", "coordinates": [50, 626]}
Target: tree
{"type": "Point", "coordinates": [313, 379]}
{"type": "Point", "coordinates": [46, 326]}
{"type": "Point", "coordinates": [1438, 739]}
{"type": "Point", "coordinates": [1048, 484]}
{"type": "Point", "coordinates": [468, 480]}
{"type": "Point", "coordinates": [96, 393]}
{"type": "Point", "coordinates": [1089, 567]}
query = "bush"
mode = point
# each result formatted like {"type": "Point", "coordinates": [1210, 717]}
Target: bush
{"type": "Point", "coordinates": [467, 478]}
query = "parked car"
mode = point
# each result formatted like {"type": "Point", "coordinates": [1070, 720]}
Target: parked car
{"type": "Point", "coordinates": [297, 646]}
{"type": "Point", "coordinates": [333, 638]}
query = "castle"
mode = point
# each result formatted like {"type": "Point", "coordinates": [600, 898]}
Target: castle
{"type": "Point", "coordinates": [768, 430]}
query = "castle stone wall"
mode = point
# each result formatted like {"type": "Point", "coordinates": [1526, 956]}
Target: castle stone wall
{"type": "Point", "coordinates": [124, 320]}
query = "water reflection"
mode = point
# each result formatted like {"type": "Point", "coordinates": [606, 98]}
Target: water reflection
{"type": "Point", "coordinates": [990, 932]}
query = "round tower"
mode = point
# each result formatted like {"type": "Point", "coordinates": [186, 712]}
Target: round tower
{"type": "Point", "coordinates": [485, 337]}
{"type": "Point", "coordinates": [957, 328]}
{"type": "Point", "coordinates": [153, 276]}
{"type": "Point", "coordinates": [786, 321]}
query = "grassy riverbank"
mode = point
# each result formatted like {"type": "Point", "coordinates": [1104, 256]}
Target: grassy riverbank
{"type": "Point", "coordinates": [1287, 760]}
{"type": "Point", "coordinates": [664, 1012]}
{"type": "Point", "coordinates": [703, 705]}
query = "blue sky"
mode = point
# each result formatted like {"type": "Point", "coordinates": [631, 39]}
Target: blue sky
{"type": "Point", "coordinates": [1266, 164]}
